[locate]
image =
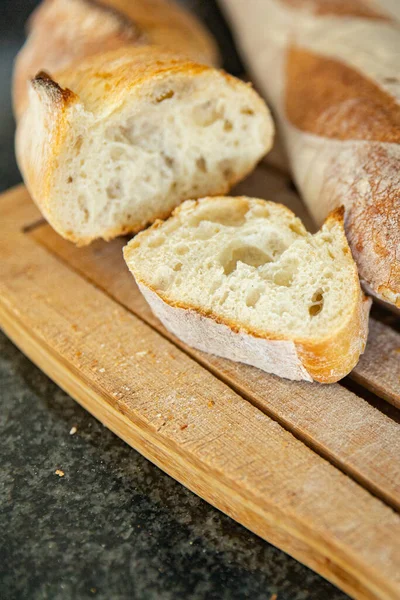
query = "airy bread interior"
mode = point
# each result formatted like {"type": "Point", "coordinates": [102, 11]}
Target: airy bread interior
{"type": "Point", "coordinates": [179, 137]}
{"type": "Point", "coordinates": [251, 264]}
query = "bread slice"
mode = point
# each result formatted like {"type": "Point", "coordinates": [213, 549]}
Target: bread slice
{"type": "Point", "coordinates": [62, 32]}
{"type": "Point", "coordinates": [126, 136]}
{"type": "Point", "coordinates": [243, 279]}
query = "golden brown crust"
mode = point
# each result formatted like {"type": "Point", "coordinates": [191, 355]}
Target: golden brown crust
{"type": "Point", "coordinates": [37, 149]}
{"type": "Point", "coordinates": [53, 90]}
{"type": "Point", "coordinates": [340, 8]}
{"type": "Point", "coordinates": [62, 33]}
{"type": "Point", "coordinates": [325, 97]}
{"type": "Point", "coordinates": [327, 361]}
{"type": "Point", "coordinates": [330, 360]}
{"type": "Point", "coordinates": [113, 74]}
{"type": "Point", "coordinates": [167, 24]}
{"type": "Point", "coordinates": [373, 223]}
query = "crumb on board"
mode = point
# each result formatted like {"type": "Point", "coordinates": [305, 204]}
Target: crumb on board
{"type": "Point", "coordinates": [59, 473]}
{"type": "Point", "coordinates": [211, 403]}
{"type": "Point", "coordinates": [73, 430]}
{"type": "Point", "coordinates": [78, 353]}
{"type": "Point", "coordinates": [142, 353]}
{"type": "Point", "coordinates": [184, 426]}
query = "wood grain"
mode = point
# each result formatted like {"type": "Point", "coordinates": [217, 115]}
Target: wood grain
{"type": "Point", "coordinates": [338, 424]}
{"type": "Point", "coordinates": [379, 368]}
{"type": "Point", "coordinates": [189, 422]}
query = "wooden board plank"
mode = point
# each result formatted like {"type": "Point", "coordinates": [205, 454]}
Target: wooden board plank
{"type": "Point", "coordinates": [335, 422]}
{"type": "Point", "coordinates": [379, 368]}
{"type": "Point", "coordinates": [189, 422]}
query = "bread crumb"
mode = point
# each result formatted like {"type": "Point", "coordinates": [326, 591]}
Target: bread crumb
{"type": "Point", "coordinates": [142, 353]}
{"type": "Point", "coordinates": [102, 370]}
{"type": "Point", "coordinates": [211, 403]}
{"type": "Point", "coordinates": [73, 430]}
{"type": "Point", "coordinates": [59, 473]}
{"type": "Point", "coordinates": [184, 426]}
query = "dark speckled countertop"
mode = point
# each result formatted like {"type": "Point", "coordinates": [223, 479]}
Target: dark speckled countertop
{"type": "Point", "coordinates": [114, 527]}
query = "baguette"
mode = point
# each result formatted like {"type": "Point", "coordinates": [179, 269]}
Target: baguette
{"type": "Point", "coordinates": [330, 71]}
{"type": "Point", "coordinates": [62, 32]}
{"type": "Point", "coordinates": [124, 137]}
{"type": "Point", "coordinates": [241, 278]}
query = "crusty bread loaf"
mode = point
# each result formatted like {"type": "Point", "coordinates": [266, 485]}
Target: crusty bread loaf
{"type": "Point", "coordinates": [242, 278]}
{"type": "Point", "coordinates": [330, 69]}
{"type": "Point", "coordinates": [125, 136]}
{"type": "Point", "coordinates": [64, 31]}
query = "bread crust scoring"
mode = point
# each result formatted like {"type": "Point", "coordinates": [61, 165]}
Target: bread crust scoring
{"type": "Point", "coordinates": [63, 32]}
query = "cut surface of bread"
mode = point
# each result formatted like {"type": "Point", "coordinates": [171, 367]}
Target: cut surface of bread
{"type": "Point", "coordinates": [243, 279]}
{"type": "Point", "coordinates": [124, 137]}
{"type": "Point", "coordinates": [62, 32]}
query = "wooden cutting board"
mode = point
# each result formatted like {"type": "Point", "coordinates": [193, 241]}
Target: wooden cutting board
{"type": "Point", "coordinates": [313, 469]}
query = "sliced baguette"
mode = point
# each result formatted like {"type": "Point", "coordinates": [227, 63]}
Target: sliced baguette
{"type": "Point", "coordinates": [242, 278]}
{"type": "Point", "coordinates": [122, 138]}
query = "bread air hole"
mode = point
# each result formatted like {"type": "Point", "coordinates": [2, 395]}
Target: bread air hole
{"type": "Point", "coordinates": [297, 228]}
{"type": "Point", "coordinates": [249, 255]}
{"type": "Point", "coordinates": [168, 161]}
{"type": "Point", "coordinates": [114, 189]}
{"type": "Point", "coordinates": [283, 278]}
{"type": "Point", "coordinates": [219, 214]}
{"type": "Point", "coordinates": [252, 298]}
{"type": "Point", "coordinates": [223, 297]}
{"type": "Point", "coordinates": [201, 164]}
{"type": "Point", "coordinates": [207, 113]}
{"type": "Point", "coordinates": [206, 230]}
{"type": "Point", "coordinates": [156, 242]}
{"type": "Point", "coordinates": [181, 250]}
{"type": "Point", "coordinates": [84, 210]}
{"type": "Point", "coordinates": [117, 153]}
{"type": "Point", "coordinates": [317, 303]}
{"type": "Point", "coordinates": [165, 96]}
{"type": "Point", "coordinates": [226, 168]}
{"type": "Point", "coordinates": [78, 144]}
